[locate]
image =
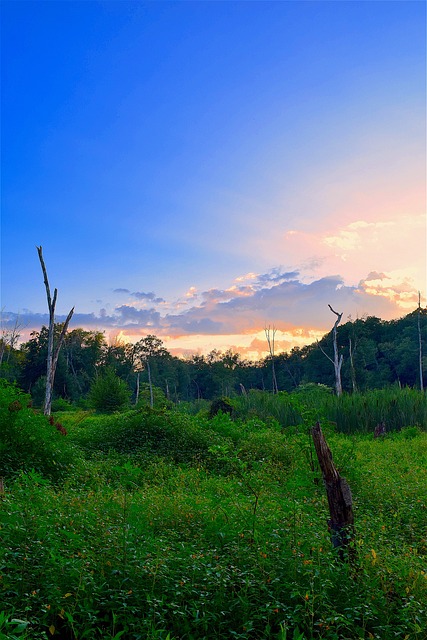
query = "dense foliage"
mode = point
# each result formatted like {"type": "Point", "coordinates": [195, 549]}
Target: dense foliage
{"type": "Point", "coordinates": [376, 354]}
{"type": "Point", "coordinates": [183, 523]}
{"type": "Point", "coordinates": [28, 440]}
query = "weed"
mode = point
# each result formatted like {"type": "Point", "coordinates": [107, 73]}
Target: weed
{"type": "Point", "coordinates": [168, 525]}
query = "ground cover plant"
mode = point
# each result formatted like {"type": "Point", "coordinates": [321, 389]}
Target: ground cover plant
{"type": "Point", "coordinates": [164, 524]}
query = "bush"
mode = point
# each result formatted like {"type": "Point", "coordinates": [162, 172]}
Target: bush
{"type": "Point", "coordinates": [409, 433]}
{"type": "Point", "coordinates": [108, 393]}
{"type": "Point", "coordinates": [29, 440]}
{"type": "Point", "coordinates": [60, 404]}
{"type": "Point", "coordinates": [149, 433]}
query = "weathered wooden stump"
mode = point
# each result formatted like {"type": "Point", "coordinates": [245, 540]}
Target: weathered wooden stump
{"type": "Point", "coordinates": [341, 521]}
{"type": "Point", "coordinates": [380, 430]}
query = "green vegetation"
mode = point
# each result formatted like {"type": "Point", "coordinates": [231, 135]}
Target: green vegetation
{"type": "Point", "coordinates": [30, 441]}
{"type": "Point", "coordinates": [108, 392]}
{"type": "Point", "coordinates": [184, 523]}
{"type": "Point", "coordinates": [377, 354]}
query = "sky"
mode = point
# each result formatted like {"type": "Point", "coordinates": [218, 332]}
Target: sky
{"type": "Point", "coordinates": [203, 170]}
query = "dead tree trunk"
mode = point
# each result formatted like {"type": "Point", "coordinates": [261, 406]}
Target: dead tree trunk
{"type": "Point", "coordinates": [52, 351]}
{"type": "Point", "coordinates": [270, 341]}
{"type": "Point", "coordinates": [380, 430]}
{"type": "Point", "coordinates": [338, 359]}
{"type": "Point", "coordinates": [351, 351]}
{"type": "Point", "coordinates": [420, 344]}
{"type": "Point", "coordinates": [9, 338]}
{"type": "Point", "coordinates": [137, 388]}
{"type": "Point", "coordinates": [341, 522]}
{"type": "Point", "coordinates": [150, 384]}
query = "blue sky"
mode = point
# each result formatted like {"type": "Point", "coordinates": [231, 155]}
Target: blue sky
{"type": "Point", "coordinates": [201, 170]}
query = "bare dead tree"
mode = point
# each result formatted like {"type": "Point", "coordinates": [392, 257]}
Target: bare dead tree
{"type": "Point", "coordinates": [351, 350]}
{"type": "Point", "coordinates": [420, 343]}
{"type": "Point", "coordinates": [137, 367]}
{"type": "Point", "coordinates": [52, 350]}
{"type": "Point", "coordinates": [137, 388]}
{"type": "Point", "coordinates": [9, 337]}
{"type": "Point", "coordinates": [338, 359]}
{"type": "Point", "coordinates": [150, 384]}
{"type": "Point", "coordinates": [270, 336]}
{"type": "Point", "coordinates": [288, 369]}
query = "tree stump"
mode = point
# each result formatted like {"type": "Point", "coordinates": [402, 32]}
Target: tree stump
{"type": "Point", "coordinates": [380, 430]}
{"type": "Point", "coordinates": [341, 521]}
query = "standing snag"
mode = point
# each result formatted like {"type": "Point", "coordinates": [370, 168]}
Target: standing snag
{"type": "Point", "coordinates": [380, 430]}
{"type": "Point", "coordinates": [9, 338]}
{"type": "Point", "coordinates": [338, 359]}
{"type": "Point", "coordinates": [270, 336]}
{"type": "Point", "coordinates": [341, 522]}
{"type": "Point", "coordinates": [420, 344]}
{"type": "Point", "coordinates": [52, 351]}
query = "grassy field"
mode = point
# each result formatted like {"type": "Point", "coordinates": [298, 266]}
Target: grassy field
{"type": "Point", "coordinates": [162, 524]}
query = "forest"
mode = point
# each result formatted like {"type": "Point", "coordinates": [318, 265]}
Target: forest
{"type": "Point", "coordinates": [186, 499]}
{"type": "Point", "coordinates": [376, 354]}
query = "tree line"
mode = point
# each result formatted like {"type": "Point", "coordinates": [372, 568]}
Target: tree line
{"type": "Point", "coordinates": [375, 353]}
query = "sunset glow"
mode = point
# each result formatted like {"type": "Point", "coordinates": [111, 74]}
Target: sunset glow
{"type": "Point", "coordinates": [201, 171]}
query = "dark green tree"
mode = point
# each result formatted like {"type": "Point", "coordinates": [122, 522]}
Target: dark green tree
{"type": "Point", "coordinates": [108, 392]}
{"type": "Point", "coordinates": [78, 360]}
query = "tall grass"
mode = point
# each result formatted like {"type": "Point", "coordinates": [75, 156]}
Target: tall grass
{"type": "Point", "coordinates": [397, 408]}
{"type": "Point", "coordinates": [267, 407]}
{"type": "Point", "coordinates": [356, 413]}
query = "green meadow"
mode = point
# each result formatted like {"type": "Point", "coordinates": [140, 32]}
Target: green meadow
{"type": "Point", "coordinates": [183, 523]}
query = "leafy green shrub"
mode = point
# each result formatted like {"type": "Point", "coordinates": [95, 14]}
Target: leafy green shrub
{"type": "Point", "coordinates": [159, 433]}
{"type": "Point", "coordinates": [109, 393]}
{"type": "Point", "coordinates": [60, 404]}
{"type": "Point", "coordinates": [313, 390]}
{"type": "Point", "coordinates": [11, 628]}
{"type": "Point", "coordinates": [409, 433]}
{"type": "Point", "coordinates": [224, 425]}
{"type": "Point", "coordinates": [28, 440]}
